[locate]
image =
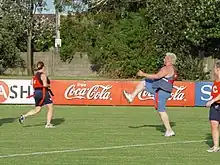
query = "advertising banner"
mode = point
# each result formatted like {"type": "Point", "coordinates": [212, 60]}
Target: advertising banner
{"type": "Point", "coordinates": [182, 94]}
{"type": "Point", "coordinates": [72, 92]}
{"type": "Point", "coordinates": [111, 93]}
{"type": "Point", "coordinates": [203, 93]}
{"type": "Point", "coordinates": [15, 92]}
{"type": "Point", "coordinates": [79, 92]}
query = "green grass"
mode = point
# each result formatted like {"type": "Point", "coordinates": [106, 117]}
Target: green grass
{"type": "Point", "coordinates": [95, 127]}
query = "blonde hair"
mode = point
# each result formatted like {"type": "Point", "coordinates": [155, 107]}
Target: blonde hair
{"type": "Point", "coordinates": [217, 64]}
{"type": "Point", "coordinates": [173, 57]}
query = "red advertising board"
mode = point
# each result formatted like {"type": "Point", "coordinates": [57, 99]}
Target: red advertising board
{"type": "Point", "coordinates": [86, 92]}
{"type": "Point", "coordinates": [74, 92]}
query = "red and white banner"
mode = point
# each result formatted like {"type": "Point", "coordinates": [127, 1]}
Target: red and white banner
{"type": "Point", "coordinates": [15, 92]}
{"type": "Point", "coordinates": [79, 92]}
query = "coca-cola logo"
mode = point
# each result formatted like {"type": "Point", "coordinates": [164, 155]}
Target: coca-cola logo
{"type": "Point", "coordinates": [177, 95]}
{"type": "Point", "coordinates": [81, 91]}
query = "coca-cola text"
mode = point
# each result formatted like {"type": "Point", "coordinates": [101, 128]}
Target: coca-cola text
{"type": "Point", "coordinates": [82, 92]}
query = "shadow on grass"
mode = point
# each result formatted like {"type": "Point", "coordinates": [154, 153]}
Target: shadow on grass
{"type": "Point", "coordinates": [7, 120]}
{"type": "Point", "coordinates": [55, 122]}
{"type": "Point", "coordinates": [208, 139]}
{"type": "Point", "coordinates": [158, 127]}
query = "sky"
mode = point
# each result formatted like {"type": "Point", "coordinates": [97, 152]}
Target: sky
{"type": "Point", "coordinates": [51, 8]}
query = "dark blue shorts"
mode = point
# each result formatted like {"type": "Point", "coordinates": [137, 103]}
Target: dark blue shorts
{"type": "Point", "coordinates": [40, 99]}
{"type": "Point", "coordinates": [160, 96]}
{"type": "Point", "coordinates": [214, 112]}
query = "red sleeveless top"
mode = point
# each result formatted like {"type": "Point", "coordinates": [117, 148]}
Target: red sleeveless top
{"type": "Point", "coordinates": [37, 82]}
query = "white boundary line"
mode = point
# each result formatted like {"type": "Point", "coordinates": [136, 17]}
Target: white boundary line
{"type": "Point", "coordinates": [99, 148]}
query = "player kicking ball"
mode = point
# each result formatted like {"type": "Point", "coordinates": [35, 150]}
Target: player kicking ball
{"type": "Point", "coordinates": [160, 85]}
{"type": "Point", "coordinates": [214, 112]}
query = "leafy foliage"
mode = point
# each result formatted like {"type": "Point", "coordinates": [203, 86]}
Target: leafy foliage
{"type": "Point", "coordinates": [121, 48]}
{"type": "Point", "coordinates": [73, 34]}
{"type": "Point", "coordinates": [10, 33]}
{"type": "Point", "coordinates": [113, 44]}
{"type": "Point", "coordinates": [123, 36]}
{"type": "Point", "coordinates": [43, 34]}
{"type": "Point", "coordinates": [17, 18]}
{"type": "Point", "coordinates": [170, 32]}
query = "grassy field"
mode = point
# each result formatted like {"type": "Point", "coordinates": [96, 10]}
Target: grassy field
{"type": "Point", "coordinates": [105, 136]}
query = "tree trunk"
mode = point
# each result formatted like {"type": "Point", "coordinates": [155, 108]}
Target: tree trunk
{"type": "Point", "coordinates": [29, 43]}
{"type": "Point", "coordinates": [29, 53]}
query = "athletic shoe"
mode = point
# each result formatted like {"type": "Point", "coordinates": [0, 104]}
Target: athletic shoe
{"type": "Point", "coordinates": [214, 149]}
{"type": "Point", "coordinates": [49, 126]}
{"type": "Point", "coordinates": [127, 96]}
{"type": "Point", "coordinates": [169, 134]}
{"type": "Point", "coordinates": [21, 119]}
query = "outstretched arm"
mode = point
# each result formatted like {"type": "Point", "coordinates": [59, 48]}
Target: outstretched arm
{"type": "Point", "coordinates": [162, 73]}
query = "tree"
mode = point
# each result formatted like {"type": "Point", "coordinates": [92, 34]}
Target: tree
{"type": "Point", "coordinates": [10, 33]}
{"type": "Point", "coordinates": [203, 30]}
{"type": "Point", "coordinates": [116, 47]}
{"type": "Point", "coordinates": [188, 28]}
{"type": "Point", "coordinates": [109, 33]}
{"type": "Point", "coordinates": [121, 47]}
{"type": "Point", "coordinates": [25, 30]}
{"type": "Point", "coordinates": [30, 6]}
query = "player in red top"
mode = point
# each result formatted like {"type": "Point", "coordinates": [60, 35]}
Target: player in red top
{"type": "Point", "coordinates": [214, 113]}
{"type": "Point", "coordinates": [42, 95]}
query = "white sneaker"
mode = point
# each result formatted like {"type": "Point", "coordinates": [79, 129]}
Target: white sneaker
{"type": "Point", "coordinates": [169, 134]}
{"type": "Point", "coordinates": [214, 149]}
{"type": "Point", "coordinates": [127, 96]}
{"type": "Point", "coordinates": [49, 126]}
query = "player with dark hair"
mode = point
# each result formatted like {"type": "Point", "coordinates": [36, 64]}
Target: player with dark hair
{"type": "Point", "coordinates": [160, 85]}
{"type": "Point", "coordinates": [42, 95]}
{"type": "Point", "coordinates": [214, 112]}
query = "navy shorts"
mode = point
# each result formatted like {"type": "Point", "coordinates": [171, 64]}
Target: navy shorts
{"type": "Point", "coordinates": [40, 99]}
{"type": "Point", "coordinates": [160, 96]}
{"type": "Point", "coordinates": [214, 112]}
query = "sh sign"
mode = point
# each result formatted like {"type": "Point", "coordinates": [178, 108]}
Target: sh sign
{"type": "Point", "coordinates": [203, 93]}
{"type": "Point", "coordinates": [15, 92]}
